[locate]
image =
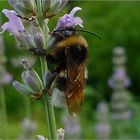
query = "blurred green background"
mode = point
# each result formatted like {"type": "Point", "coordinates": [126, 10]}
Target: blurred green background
{"type": "Point", "coordinates": [118, 23]}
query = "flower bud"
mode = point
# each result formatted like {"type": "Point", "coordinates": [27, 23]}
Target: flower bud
{"type": "Point", "coordinates": [55, 7]}
{"type": "Point", "coordinates": [55, 4]}
{"type": "Point", "coordinates": [34, 74]}
{"type": "Point", "coordinates": [25, 40]}
{"type": "Point", "coordinates": [46, 32]}
{"type": "Point", "coordinates": [38, 40]}
{"type": "Point", "coordinates": [46, 5]}
{"type": "Point", "coordinates": [29, 5]}
{"type": "Point", "coordinates": [48, 78]}
{"type": "Point", "coordinates": [26, 90]}
{"type": "Point", "coordinates": [32, 80]}
{"type": "Point", "coordinates": [20, 8]}
{"type": "Point", "coordinates": [37, 34]}
{"type": "Point", "coordinates": [26, 65]}
{"type": "Point", "coordinates": [40, 137]}
{"type": "Point", "coordinates": [31, 71]}
{"type": "Point", "coordinates": [21, 88]}
{"type": "Point", "coordinates": [60, 134]}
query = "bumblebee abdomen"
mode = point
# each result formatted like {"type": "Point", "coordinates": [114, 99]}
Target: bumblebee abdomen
{"type": "Point", "coordinates": [58, 93]}
{"type": "Point", "coordinates": [61, 83]}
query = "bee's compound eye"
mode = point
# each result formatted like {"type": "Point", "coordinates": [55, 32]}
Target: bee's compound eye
{"type": "Point", "coordinates": [67, 33]}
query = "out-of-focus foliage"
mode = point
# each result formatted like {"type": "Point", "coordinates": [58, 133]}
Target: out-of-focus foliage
{"type": "Point", "coordinates": [118, 25]}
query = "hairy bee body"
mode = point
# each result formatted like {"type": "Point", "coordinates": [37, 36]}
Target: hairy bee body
{"type": "Point", "coordinates": [70, 54]}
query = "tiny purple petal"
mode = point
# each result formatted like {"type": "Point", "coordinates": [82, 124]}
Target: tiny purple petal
{"type": "Point", "coordinates": [68, 20]}
{"type": "Point", "coordinates": [74, 10]}
{"type": "Point", "coordinates": [5, 26]}
{"type": "Point", "coordinates": [14, 25]}
{"type": "Point", "coordinates": [7, 78]}
{"type": "Point", "coordinates": [120, 73]}
{"type": "Point", "coordinates": [65, 20]}
{"type": "Point", "coordinates": [78, 21]}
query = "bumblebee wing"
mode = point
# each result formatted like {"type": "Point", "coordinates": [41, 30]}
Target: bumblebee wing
{"type": "Point", "coordinates": [75, 84]}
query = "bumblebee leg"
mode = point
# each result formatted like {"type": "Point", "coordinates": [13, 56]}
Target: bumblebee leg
{"type": "Point", "coordinates": [38, 52]}
{"type": "Point", "coordinates": [50, 77]}
{"type": "Point", "coordinates": [42, 53]}
{"type": "Point", "coordinates": [50, 58]}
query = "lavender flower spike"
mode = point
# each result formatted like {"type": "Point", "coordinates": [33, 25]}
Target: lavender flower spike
{"type": "Point", "coordinates": [14, 25]}
{"type": "Point", "coordinates": [68, 20]}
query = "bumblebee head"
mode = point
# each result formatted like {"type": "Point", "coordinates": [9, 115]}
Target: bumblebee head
{"type": "Point", "coordinates": [69, 31]}
{"type": "Point", "coordinates": [60, 34]}
{"type": "Point", "coordinates": [64, 32]}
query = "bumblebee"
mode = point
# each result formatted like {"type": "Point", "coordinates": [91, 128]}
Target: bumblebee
{"type": "Point", "coordinates": [69, 53]}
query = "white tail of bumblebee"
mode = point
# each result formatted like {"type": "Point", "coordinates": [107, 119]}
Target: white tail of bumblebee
{"type": "Point", "coordinates": [58, 98]}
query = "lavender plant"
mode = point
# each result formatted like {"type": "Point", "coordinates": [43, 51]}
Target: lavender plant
{"type": "Point", "coordinates": [119, 81]}
{"type": "Point", "coordinates": [37, 13]}
{"type": "Point", "coordinates": [103, 128]}
{"type": "Point", "coordinates": [5, 78]}
{"type": "Point", "coordinates": [28, 127]}
{"type": "Point", "coordinates": [71, 126]}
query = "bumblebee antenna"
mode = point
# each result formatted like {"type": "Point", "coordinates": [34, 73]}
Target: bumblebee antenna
{"type": "Point", "coordinates": [82, 30]}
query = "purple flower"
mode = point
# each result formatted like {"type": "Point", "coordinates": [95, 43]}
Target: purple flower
{"type": "Point", "coordinates": [120, 73]}
{"type": "Point", "coordinates": [32, 83]}
{"type": "Point", "coordinates": [119, 77]}
{"type": "Point", "coordinates": [14, 25]}
{"type": "Point", "coordinates": [68, 20]}
{"type": "Point", "coordinates": [7, 78]}
{"type": "Point", "coordinates": [16, 28]}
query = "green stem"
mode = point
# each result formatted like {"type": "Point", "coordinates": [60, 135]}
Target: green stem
{"type": "Point", "coordinates": [48, 107]}
{"type": "Point", "coordinates": [3, 120]}
{"type": "Point", "coordinates": [50, 117]}
{"type": "Point", "coordinates": [44, 68]}
{"type": "Point", "coordinates": [28, 107]}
